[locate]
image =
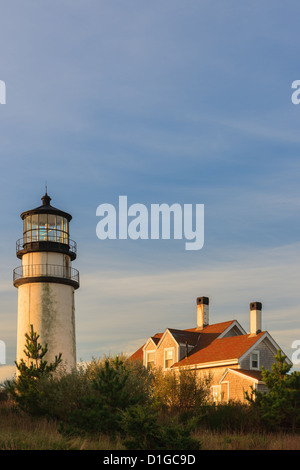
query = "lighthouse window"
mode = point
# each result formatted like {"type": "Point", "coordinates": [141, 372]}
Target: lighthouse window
{"type": "Point", "coordinates": [27, 227]}
{"type": "Point", "coordinates": [59, 227]}
{"type": "Point", "coordinates": [52, 227]}
{"type": "Point", "coordinates": [27, 223]}
{"type": "Point", "coordinates": [34, 226]}
{"type": "Point", "coordinates": [65, 229]}
{"type": "Point", "coordinates": [43, 227]}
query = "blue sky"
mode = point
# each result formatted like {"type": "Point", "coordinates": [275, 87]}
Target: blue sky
{"type": "Point", "coordinates": [162, 101]}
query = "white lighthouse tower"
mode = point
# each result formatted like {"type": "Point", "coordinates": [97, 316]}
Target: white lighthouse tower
{"type": "Point", "coordinates": [46, 282]}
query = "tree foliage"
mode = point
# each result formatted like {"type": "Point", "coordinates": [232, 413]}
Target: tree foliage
{"type": "Point", "coordinates": [279, 408]}
{"type": "Point", "coordinates": [25, 388]}
{"type": "Point", "coordinates": [182, 390]}
{"type": "Point", "coordinates": [144, 431]}
{"type": "Point", "coordinates": [114, 389]}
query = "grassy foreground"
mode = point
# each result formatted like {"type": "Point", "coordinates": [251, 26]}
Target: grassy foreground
{"type": "Point", "coordinates": [19, 431]}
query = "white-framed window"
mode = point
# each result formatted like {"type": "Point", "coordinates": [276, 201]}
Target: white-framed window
{"type": "Point", "coordinates": [216, 392]}
{"type": "Point", "coordinates": [254, 360]}
{"type": "Point", "coordinates": [150, 359]}
{"type": "Point", "coordinates": [169, 357]}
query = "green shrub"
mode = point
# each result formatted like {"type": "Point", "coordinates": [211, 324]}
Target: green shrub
{"type": "Point", "coordinates": [143, 431]}
{"type": "Point", "coordinates": [115, 386]}
{"type": "Point", "coordinates": [279, 409]}
{"type": "Point", "coordinates": [229, 417]}
{"type": "Point", "coordinates": [182, 391]}
{"type": "Point", "coordinates": [4, 393]}
{"type": "Point", "coordinates": [25, 388]}
{"type": "Point", "coordinates": [61, 393]}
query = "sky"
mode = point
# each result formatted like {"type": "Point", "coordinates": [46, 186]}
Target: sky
{"type": "Point", "coordinates": [169, 101]}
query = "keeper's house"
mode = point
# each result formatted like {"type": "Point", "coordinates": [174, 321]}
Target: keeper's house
{"type": "Point", "coordinates": [232, 356]}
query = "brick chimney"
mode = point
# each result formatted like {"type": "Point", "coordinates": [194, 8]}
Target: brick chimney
{"type": "Point", "coordinates": [255, 318]}
{"type": "Point", "coordinates": [202, 312]}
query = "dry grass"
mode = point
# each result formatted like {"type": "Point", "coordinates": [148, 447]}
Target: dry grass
{"type": "Point", "coordinates": [21, 432]}
{"type": "Point", "coordinates": [252, 441]}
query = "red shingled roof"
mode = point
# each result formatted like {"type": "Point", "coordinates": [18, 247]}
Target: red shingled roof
{"type": "Point", "coordinates": [216, 350]}
{"type": "Point", "coordinates": [138, 355]}
{"type": "Point", "coordinates": [209, 347]}
{"type": "Point", "coordinates": [253, 374]}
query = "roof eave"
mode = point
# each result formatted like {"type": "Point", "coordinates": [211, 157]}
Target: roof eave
{"type": "Point", "coordinates": [205, 365]}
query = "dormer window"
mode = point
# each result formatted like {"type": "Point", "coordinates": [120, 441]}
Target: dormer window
{"type": "Point", "coordinates": [254, 360]}
{"type": "Point", "coordinates": [169, 357]}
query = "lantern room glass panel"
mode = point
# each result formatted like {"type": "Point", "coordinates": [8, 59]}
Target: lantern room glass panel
{"type": "Point", "coordinates": [65, 231]}
{"type": "Point", "coordinates": [52, 227]}
{"type": "Point", "coordinates": [27, 229]}
{"type": "Point", "coordinates": [43, 227]}
{"type": "Point", "coordinates": [34, 227]}
{"type": "Point", "coordinates": [59, 228]}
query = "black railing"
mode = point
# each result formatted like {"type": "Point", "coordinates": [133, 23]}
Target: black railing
{"type": "Point", "coordinates": [42, 233]}
{"type": "Point", "coordinates": [46, 270]}
{"type": "Point", "coordinates": [60, 241]}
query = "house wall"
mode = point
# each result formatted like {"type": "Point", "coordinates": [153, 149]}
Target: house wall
{"type": "Point", "coordinates": [215, 373]}
{"type": "Point", "coordinates": [234, 387]}
{"type": "Point", "coordinates": [167, 342]}
{"type": "Point", "coordinates": [262, 388]}
{"type": "Point", "coordinates": [266, 357]}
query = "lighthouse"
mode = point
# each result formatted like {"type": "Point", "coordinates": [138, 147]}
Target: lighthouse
{"type": "Point", "coordinates": [46, 282]}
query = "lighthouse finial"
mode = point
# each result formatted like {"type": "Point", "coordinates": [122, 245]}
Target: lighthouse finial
{"type": "Point", "coordinates": [46, 199]}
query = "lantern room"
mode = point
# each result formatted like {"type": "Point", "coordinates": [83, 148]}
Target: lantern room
{"type": "Point", "coordinates": [46, 228]}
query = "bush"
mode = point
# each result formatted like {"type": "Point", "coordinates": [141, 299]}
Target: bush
{"type": "Point", "coordinates": [25, 388]}
{"type": "Point", "coordinates": [4, 393]}
{"type": "Point", "coordinates": [61, 393]}
{"type": "Point", "coordinates": [115, 386]}
{"type": "Point", "coordinates": [183, 392]}
{"type": "Point", "coordinates": [144, 432]}
{"type": "Point", "coordinates": [279, 409]}
{"type": "Point", "coordinates": [229, 417]}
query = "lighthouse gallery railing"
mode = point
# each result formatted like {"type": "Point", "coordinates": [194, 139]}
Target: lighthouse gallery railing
{"type": "Point", "coordinates": [59, 240]}
{"type": "Point", "coordinates": [52, 270]}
